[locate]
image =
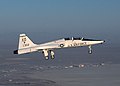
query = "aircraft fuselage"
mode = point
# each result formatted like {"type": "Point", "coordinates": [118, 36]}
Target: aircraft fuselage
{"type": "Point", "coordinates": [27, 46]}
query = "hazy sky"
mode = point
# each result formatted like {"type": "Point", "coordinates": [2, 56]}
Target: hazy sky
{"type": "Point", "coordinates": [45, 20]}
{"type": "Point", "coordinates": [59, 18]}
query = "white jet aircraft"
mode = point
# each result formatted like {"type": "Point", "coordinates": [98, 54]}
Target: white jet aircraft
{"type": "Point", "coordinates": [27, 46]}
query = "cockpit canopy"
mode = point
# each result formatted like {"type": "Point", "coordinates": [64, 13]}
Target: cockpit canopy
{"type": "Point", "coordinates": [73, 38]}
{"type": "Point", "coordinates": [67, 38]}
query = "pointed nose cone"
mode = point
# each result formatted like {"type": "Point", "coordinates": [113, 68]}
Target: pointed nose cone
{"type": "Point", "coordinates": [97, 42]}
{"type": "Point", "coordinates": [101, 41]}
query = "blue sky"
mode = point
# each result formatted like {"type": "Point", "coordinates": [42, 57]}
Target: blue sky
{"type": "Point", "coordinates": [60, 18]}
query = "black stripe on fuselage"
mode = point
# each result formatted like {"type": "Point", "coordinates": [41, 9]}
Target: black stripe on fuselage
{"type": "Point", "coordinates": [90, 39]}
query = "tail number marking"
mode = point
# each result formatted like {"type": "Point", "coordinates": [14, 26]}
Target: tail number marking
{"type": "Point", "coordinates": [24, 41]}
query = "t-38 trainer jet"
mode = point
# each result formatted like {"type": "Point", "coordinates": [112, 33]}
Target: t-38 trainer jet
{"type": "Point", "coordinates": [27, 46]}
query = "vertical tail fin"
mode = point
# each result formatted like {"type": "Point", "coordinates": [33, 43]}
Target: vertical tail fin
{"type": "Point", "coordinates": [24, 42]}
